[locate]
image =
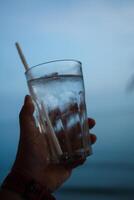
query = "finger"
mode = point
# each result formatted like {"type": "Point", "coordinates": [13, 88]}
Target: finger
{"type": "Point", "coordinates": [91, 123]}
{"type": "Point", "coordinates": [26, 114]}
{"type": "Point", "coordinates": [92, 138]}
{"type": "Point", "coordinates": [28, 107]}
{"type": "Point", "coordinates": [76, 142]}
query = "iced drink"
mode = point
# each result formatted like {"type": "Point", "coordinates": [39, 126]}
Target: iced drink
{"type": "Point", "coordinates": [62, 96]}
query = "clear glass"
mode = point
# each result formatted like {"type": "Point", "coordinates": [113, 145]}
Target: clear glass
{"type": "Point", "coordinates": [57, 89]}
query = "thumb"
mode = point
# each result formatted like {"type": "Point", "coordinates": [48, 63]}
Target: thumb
{"type": "Point", "coordinates": [26, 118]}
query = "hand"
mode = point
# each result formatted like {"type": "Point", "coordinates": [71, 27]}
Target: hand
{"type": "Point", "coordinates": [32, 151]}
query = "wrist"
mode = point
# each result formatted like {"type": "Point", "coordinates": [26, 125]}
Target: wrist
{"type": "Point", "coordinates": [25, 186]}
{"type": "Point", "coordinates": [9, 195]}
{"type": "Point", "coordinates": [41, 176]}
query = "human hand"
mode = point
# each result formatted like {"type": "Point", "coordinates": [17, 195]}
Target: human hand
{"type": "Point", "coordinates": [32, 152]}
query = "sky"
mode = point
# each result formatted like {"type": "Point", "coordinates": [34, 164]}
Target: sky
{"type": "Point", "coordinates": [99, 33]}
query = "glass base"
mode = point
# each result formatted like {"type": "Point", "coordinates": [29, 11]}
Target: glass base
{"type": "Point", "coordinates": [67, 159]}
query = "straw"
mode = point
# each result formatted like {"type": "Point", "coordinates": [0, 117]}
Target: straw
{"type": "Point", "coordinates": [44, 127]}
{"type": "Point", "coordinates": [22, 57]}
{"type": "Point", "coordinates": [50, 128]}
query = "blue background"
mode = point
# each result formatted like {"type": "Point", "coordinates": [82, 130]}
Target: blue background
{"type": "Point", "coordinates": [100, 33]}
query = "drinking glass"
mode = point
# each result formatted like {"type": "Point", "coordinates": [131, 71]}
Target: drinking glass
{"type": "Point", "coordinates": [57, 90]}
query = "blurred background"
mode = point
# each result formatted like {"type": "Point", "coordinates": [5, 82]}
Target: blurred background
{"type": "Point", "coordinates": [99, 33]}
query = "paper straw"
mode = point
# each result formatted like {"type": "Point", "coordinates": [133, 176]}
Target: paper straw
{"type": "Point", "coordinates": [22, 57]}
{"type": "Point", "coordinates": [44, 127]}
{"type": "Point", "coordinates": [50, 128]}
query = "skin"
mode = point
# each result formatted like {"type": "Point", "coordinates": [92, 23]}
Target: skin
{"type": "Point", "coordinates": [32, 152]}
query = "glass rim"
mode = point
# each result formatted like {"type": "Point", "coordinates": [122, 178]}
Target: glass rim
{"type": "Point", "coordinates": [54, 61]}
